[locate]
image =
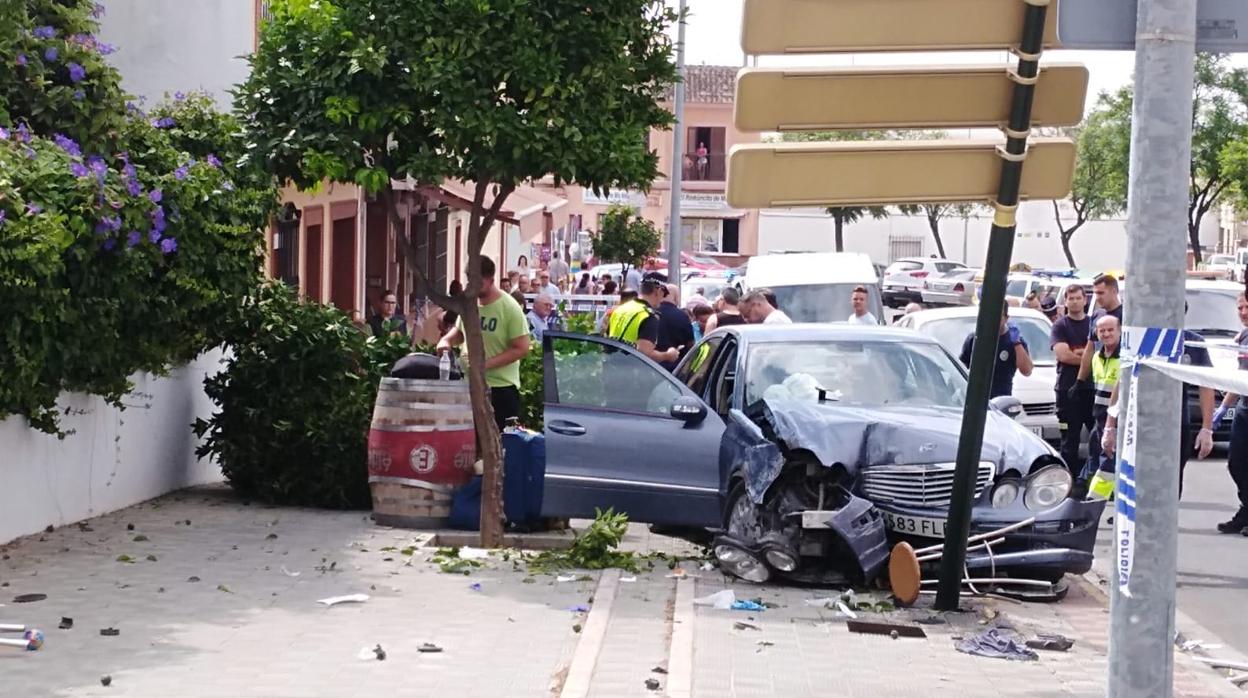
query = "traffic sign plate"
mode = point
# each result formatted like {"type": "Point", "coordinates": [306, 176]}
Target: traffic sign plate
{"type": "Point", "coordinates": [858, 173]}
{"type": "Point", "coordinates": [1109, 25]}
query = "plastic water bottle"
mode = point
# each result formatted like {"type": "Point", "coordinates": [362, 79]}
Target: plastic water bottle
{"type": "Point", "coordinates": [444, 367]}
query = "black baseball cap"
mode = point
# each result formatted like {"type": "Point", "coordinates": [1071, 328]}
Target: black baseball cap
{"type": "Point", "coordinates": [1048, 306]}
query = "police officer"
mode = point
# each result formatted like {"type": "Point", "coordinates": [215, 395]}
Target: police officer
{"type": "Point", "coordinates": [637, 322]}
{"type": "Point", "coordinates": [1237, 459]}
{"type": "Point", "coordinates": [1104, 364]}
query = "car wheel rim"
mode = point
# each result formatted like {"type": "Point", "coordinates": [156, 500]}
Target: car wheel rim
{"type": "Point", "coordinates": [743, 519]}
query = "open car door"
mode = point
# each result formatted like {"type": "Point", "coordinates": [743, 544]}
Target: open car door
{"type": "Point", "coordinates": [622, 432]}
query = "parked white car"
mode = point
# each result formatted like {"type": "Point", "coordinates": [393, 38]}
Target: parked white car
{"type": "Point", "coordinates": [950, 327]}
{"type": "Point", "coordinates": [903, 279]}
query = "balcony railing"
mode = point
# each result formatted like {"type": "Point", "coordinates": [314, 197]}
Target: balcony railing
{"type": "Point", "coordinates": [711, 167]}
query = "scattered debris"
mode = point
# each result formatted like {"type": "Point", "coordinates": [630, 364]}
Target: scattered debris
{"type": "Point", "coordinates": [1225, 664]}
{"type": "Point", "coordinates": [740, 625]}
{"type": "Point", "coordinates": [151, 558]}
{"type": "Point", "coordinates": [658, 670]}
{"type": "Point", "coordinates": [844, 610]}
{"type": "Point", "coordinates": [872, 628]}
{"type": "Point", "coordinates": [475, 586]}
{"type": "Point", "coordinates": [997, 644]}
{"type": "Point", "coordinates": [350, 598]}
{"type": "Point", "coordinates": [566, 578]}
{"type": "Point", "coordinates": [106, 680]}
{"type": "Point", "coordinates": [576, 628]}
{"type": "Point", "coordinates": [29, 598]}
{"type": "Point", "coordinates": [125, 558]}
{"type": "Point", "coordinates": [468, 553]}
{"type": "Point", "coordinates": [1055, 643]}
{"type": "Point", "coordinates": [628, 580]}
{"type": "Point", "coordinates": [748, 606]}
{"type": "Point", "coordinates": [766, 643]}
{"type": "Point", "coordinates": [579, 608]}
{"type": "Point", "coordinates": [129, 527]}
{"type": "Point", "coordinates": [110, 632]}
{"type": "Point", "coordinates": [652, 684]}
{"type": "Point", "coordinates": [66, 623]}
{"type": "Point", "coordinates": [49, 529]}
{"type": "Point", "coordinates": [450, 561]}
{"type": "Point", "coordinates": [140, 538]}
{"type": "Point", "coordinates": [222, 587]}
{"type": "Point", "coordinates": [723, 600]}
{"type": "Point", "coordinates": [428, 648]}
{"type": "Point", "coordinates": [678, 573]}
{"type": "Point", "coordinates": [706, 567]}
{"type": "Point", "coordinates": [931, 620]}
{"type": "Point", "coordinates": [273, 536]}
{"type": "Point", "coordinates": [370, 653]}
{"type": "Point", "coordinates": [192, 579]}
{"type": "Point", "coordinates": [529, 580]}
{"type": "Point", "coordinates": [288, 573]}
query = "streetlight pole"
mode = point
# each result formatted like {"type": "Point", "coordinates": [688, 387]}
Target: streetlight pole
{"type": "Point", "coordinates": [1141, 653]}
{"type": "Point", "coordinates": [678, 160]}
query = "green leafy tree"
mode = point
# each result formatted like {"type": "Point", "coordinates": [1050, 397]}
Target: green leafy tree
{"type": "Point", "coordinates": [841, 215]}
{"type": "Point", "coordinates": [1099, 187]}
{"type": "Point", "coordinates": [1219, 124]}
{"type": "Point", "coordinates": [493, 93]}
{"type": "Point", "coordinates": [626, 238]}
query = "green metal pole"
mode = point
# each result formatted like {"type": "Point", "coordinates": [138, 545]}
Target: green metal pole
{"type": "Point", "coordinates": [991, 306]}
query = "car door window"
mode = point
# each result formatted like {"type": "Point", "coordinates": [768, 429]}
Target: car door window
{"type": "Point", "coordinates": [589, 373]}
{"type": "Point", "coordinates": [695, 371]}
{"type": "Point", "coordinates": [725, 376]}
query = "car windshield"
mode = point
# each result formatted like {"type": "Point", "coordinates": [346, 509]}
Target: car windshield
{"type": "Point", "coordinates": [1222, 259]}
{"type": "Point", "coordinates": [1016, 288]}
{"type": "Point", "coordinates": [1213, 312]}
{"type": "Point", "coordinates": [824, 302]}
{"type": "Point", "coordinates": [854, 373]}
{"type": "Point", "coordinates": [952, 332]}
{"type": "Point", "coordinates": [710, 289]}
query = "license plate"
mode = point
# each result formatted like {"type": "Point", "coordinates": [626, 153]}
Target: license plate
{"type": "Point", "coordinates": [915, 525]}
{"type": "Point", "coordinates": [896, 288]}
{"type": "Point", "coordinates": [1038, 431]}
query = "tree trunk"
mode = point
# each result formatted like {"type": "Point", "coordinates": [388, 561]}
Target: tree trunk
{"type": "Point", "coordinates": [1193, 237]}
{"type": "Point", "coordinates": [838, 222]}
{"type": "Point", "coordinates": [1065, 238]}
{"type": "Point", "coordinates": [934, 224]}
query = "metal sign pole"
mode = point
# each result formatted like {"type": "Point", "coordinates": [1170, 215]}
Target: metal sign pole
{"type": "Point", "coordinates": [991, 307]}
{"type": "Point", "coordinates": [678, 157]}
{"type": "Point", "coordinates": [1141, 654]}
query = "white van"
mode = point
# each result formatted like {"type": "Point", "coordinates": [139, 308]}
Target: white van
{"type": "Point", "coordinates": [816, 286]}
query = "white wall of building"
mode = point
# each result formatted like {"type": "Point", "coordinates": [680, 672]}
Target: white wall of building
{"type": "Point", "coordinates": [1098, 244]}
{"type": "Point", "coordinates": [114, 458]}
{"type": "Point", "coordinates": [180, 45]}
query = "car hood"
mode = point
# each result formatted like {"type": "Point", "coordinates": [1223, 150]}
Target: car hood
{"type": "Point", "coordinates": [1036, 388]}
{"type": "Point", "coordinates": [859, 437]}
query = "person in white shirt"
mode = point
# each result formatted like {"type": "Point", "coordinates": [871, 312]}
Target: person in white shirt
{"type": "Point", "coordinates": [558, 269]}
{"type": "Point", "coordinates": [544, 286]}
{"type": "Point", "coordinates": [858, 299]}
{"type": "Point", "coordinates": [756, 309]}
{"type": "Point", "coordinates": [632, 279]}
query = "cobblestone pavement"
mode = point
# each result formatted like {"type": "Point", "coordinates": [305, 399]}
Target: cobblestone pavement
{"type": "Point", "coordinates": [216, 610]}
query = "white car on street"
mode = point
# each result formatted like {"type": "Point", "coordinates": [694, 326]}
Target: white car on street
{"type": "Point", "coordinates": [950, 327]}
{"type": "Point", "coordinates": [903, 279]}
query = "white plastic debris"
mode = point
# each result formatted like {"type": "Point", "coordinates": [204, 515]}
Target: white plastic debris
{"type": "Point", "coordinates": [628, 579]}
{"type": "Point", "coordinates": [468, 553]}
{"type": "Point", "coordinates": [707, 567]}
{"type": "Point", "coordinates": [844, 610]}
{"type": "Point", "coordinates": [566, 578]}
{"type": "Point", "coordinates": [821, 602]}
{"type": "Point", "coordinates": [367, 653]}
{"type": "Point", "coordinates": [349, 598]}
{"type": "Point", "coordinates": [722, 600]}
{"type": "Point", "coordinates": [288, 573]}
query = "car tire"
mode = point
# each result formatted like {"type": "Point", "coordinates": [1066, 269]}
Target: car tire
{"type": "Point", "coordinates": [737, 496]}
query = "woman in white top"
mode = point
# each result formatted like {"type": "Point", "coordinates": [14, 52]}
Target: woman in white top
{"type": "Point", "coordinates": [522, 267]}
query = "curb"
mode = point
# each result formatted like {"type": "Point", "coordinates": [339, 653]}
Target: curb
{"type": "Point", "coordinates": [680, 659]}
{"type": "Point", "coordinates": [585, 658]}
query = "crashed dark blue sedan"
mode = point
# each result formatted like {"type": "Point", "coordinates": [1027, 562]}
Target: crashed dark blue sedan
{"type": "Point", "coordinates": [816, 447]}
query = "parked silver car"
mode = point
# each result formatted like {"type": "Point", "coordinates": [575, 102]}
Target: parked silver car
{"type": "Point", "coordinates": [903, 279]}
{"type": "Point", "coordinates": [954, 288]}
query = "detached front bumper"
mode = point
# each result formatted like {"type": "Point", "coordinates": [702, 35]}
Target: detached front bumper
{"type": "Point", "coordinates": [1061, 540]}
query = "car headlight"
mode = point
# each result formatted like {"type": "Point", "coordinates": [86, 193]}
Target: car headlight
{"type": "Point", "coordinates": [1047, 488]}
{"type": "Point", "coordinates": [1005, 493]}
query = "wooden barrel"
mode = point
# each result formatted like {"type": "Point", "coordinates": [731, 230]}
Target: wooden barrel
{"type": "Point", "coordinates": [420, 448]}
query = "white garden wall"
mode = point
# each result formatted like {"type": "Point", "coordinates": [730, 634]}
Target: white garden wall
{"type": "Point", "coordinates": [114, 458]}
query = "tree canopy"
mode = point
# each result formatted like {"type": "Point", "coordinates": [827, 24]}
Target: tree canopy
{"type": "Point", "coordinates": [626, 238]}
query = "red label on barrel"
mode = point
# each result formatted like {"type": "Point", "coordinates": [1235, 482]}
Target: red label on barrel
{"type": "Point", "coordinates": [439, 457]}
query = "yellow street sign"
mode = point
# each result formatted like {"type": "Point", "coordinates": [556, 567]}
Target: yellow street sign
{"type": "Point", "coordinates": [857, 173]}
{"type": "Point", "coordinates": [904, 97]}
{"type": "Point", "coordinates": [845, 26]}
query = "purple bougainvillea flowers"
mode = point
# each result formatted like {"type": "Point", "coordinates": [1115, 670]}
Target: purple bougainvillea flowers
{"type": "Point", "coordinates": [33, 209]}
{"type": "Point", "coordinates": [78, 169]}
{"type": "Point", "coordinates": [169, 245]}
{"type": "Point", "coordinates": [153, 237]}
{"type": "Point", "coordinates": [4, 134]}
{"type": "Point", "coordinates": [97, 10]}
{"type": "Point", "coordinates": [181, 173]}
{"type": "Point", "coordinates": [51, 54]}
{"type": "Point", "coordinates": [67, 144]}
{"type": "Point", "coordinates": [43, 33]}
{"type": "Point", "coordinates": [166, 122]}
{"type": "Point", "coordinates": [21, 59]}
{"type": "Point", "coordinates": [77, 73]}
{"type": "Point", "coordinates": [133, 238]}
{"type": "Point", "coordinates": [212, 160]}
{"type": "Point", "coordinates": [79, 95]}
{"type": "Point", "coordinates": [109, 244]}
{"type": "Point", "coordinates": [155, 195]}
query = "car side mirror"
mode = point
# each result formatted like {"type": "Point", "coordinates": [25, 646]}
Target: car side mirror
{"type": "Point", "coordinates": [689, 410]}
{"type": "Point", "coordinates": [1007, 404]}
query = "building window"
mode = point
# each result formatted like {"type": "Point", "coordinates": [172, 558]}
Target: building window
{"type": "Point", "coordinates": [712, 235]}
{"type": "Point", "coordinates": [705, 154]}
{"type": "Point", "coordinates": [900, 246]}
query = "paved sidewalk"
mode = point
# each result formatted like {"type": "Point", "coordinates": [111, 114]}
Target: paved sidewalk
{"type": "Point", "coordinates": [248, 627]}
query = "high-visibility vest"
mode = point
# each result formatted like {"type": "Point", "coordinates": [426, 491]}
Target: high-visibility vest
{"type": "Point", "coordinates": [1104, 376]}
{"type": "Point", "coordinates": [626, 321]}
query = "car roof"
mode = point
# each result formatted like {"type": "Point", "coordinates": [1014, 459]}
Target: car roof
{"type": "Point", "coordinates": [816, 331]}
{"type": "Point", "coordinates": [807, 268]}
{"type": "Point", "coordinates": [922, 316]}
{"type": "Point", "coordinates": [1215, 285]}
